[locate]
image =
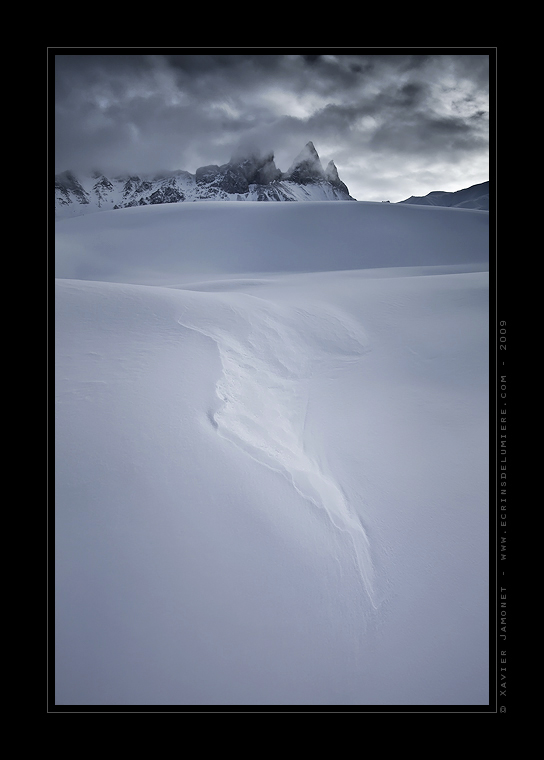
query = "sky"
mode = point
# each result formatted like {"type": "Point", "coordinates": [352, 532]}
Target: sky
{"type": "Point", "coordinates": [396, 123]}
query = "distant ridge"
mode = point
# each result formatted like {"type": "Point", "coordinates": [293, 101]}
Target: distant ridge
{"type": "Point", "coordinates": [244, 178]}
{"type": "Point", "coordinates": [475, 197]}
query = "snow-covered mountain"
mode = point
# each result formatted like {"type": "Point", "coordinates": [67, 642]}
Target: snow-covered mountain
{"type": "Point", "coordinates": [476, 197]}
{"type": "Point", "coordinates": [244, 178]}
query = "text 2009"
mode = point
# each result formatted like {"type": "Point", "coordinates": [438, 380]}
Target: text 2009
{"type": "Point", "coordinates": [502, 336]}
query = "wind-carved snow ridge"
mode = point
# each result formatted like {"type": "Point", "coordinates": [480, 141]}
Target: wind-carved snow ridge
{"type": "Point", "coordinates": [268, 354]}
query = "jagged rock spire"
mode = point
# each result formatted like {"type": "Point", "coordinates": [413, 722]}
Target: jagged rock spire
{"type": "Point", "coordinates": [306, 167]}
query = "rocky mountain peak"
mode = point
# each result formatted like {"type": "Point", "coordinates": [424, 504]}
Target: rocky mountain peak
{"type": "Point", "coordinates": [331, 171]}
{"type": "Point", "coordinates": [257, 169]}
{"type": "Point", "coordinates": [306, 167]}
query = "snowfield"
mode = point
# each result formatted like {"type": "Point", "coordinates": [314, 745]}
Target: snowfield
{"type": "Point", "coordinates": [272, 444]}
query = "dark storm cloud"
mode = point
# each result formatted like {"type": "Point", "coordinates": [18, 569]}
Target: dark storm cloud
{"type": "Point", "coordinates": [155, 111]}
{"type": "Point", "coordinates": [428, 136]}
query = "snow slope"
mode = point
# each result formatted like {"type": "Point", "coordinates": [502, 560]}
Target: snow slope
{"type": "Point", "coordinates": [153, 244]}
{"type": "Point", "coordinates": [272, 469]}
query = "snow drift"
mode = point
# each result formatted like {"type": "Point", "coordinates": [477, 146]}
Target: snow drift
{"type": "Point", "coordinates": [272, 456]}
